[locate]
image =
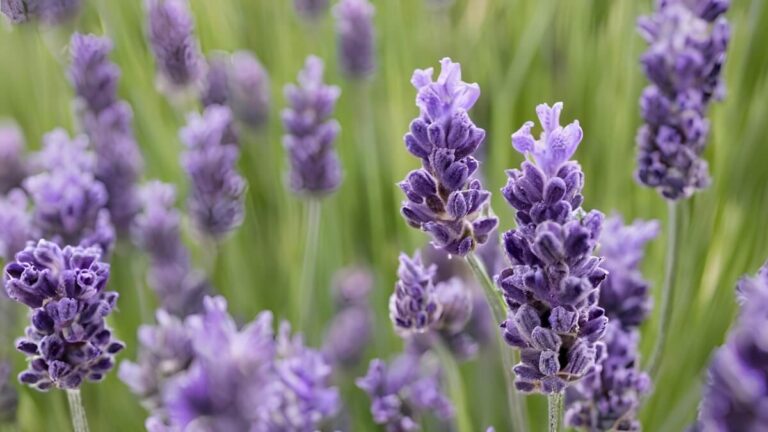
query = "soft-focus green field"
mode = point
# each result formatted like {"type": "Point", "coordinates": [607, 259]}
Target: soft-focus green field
{"type": "Point", "coordinates": [582, 52]}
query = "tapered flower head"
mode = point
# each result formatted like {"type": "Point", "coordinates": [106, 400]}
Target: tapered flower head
{"type": "Point", "coordinates": [413, 307]}
{"type": "Point", "coordinates": [92, 75]}
{"type": "Point", "coordinates": [310, 9]}
{"type": "Point", "coordinates": [16, 226]}
{"type": "Point", "coordinates": [68, 340]}
{"type": "Point", "coordinates": [171, 35]}
{"type": "Point", "coordinates": [556, 144]}
{"type": "Point", "coordinates": [13, 167]}
{"type": "Point", "coordinates": [50, 12]}
{"type": "Point", "coordinates": [354, 27]}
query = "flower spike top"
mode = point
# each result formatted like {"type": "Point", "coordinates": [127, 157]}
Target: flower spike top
{"type": "Point", "coordinates": [310, 132]}
{"type": "Point", "coordinates": [354, 25]}
{"type": "Point", "coordinates": [171, 35]}
{"type": "Point", "coordinates": [442, 197]}
{"type": "Point", "coordinates": [13, 167]}
{"type": "Point", "coordinates": [551, 289]}
{"type": "Point", "coordinates": [687, 41]}
{"type": "Point", "coordinates": [413, 307]}
{"type": "Point", "coordinates": [67, 341]}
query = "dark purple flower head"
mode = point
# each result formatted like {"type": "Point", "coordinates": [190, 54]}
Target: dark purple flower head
{"type": "Point", "coordinates": [13, 168]}
{"type": "Point", "coordinates": [68, 340]}
{"type": "Point", "coordinates": [551, 288]}
{"type": "Point", "coordinates": [354, 27]}
{"type": "Point", "coordinates": [310, 9]}
{"type": "Point", "coordinates": [414, 306]}
{"type": "Point", "coordinates": [49, 12]}
{"type": "Point", "coordinates": [735, 395]}
{"type": "Point", "coordinates": [404, 390]}
{"type": "Point", "coordinates": [157, 230]}
{"type": "Point", "coordinates": [15, 224]}
{"type": "Point", "coordinates": [92, 75]}
{"type": "Point", "coordinates": [171, 35]}
{"type": "Point", "coordinates": [443, 198]}
{"type": "Point", "coordinates": [310, 132]}
{"type": "Point", "coordinates": [218, 190]}
{"type": "Point", "coordinates": [687, 45]}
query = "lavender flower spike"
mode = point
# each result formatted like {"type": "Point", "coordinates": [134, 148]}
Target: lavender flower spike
{"type": "Point", "coordinates": [551, 289]}
{"type": "Point", "coordinates": [49, 12]}
{"type": "Point", "coordinates": [218, 190]}
{"type": "Point", "coordinates": [442, 197]}
{"type": "Point", "coordinates": [13, 168]}
{"type": "Point", "coordinates": [609, 398]}
{"type": "Point", "coordinates": [15, 224]}
{"type": "Point", "coordinates": [310, 9]}
{"type": "Point", "coordinates": [688, 40]}
{"type": "Point", "coordinates": [171, 35]}
{"type": "Point", "coordinates": [414, 307]}
{"type": "Point", "coordinates": [68, 340]}
{"type": "Point", "coordinates": [240, 81]}
{"type": "Point", "coordinates": [351, 329]}
{"type": "Point", "coordinates": [735, 394]}
{"type": "Point", "coordinates": [354, 26]}
{"type": "Point", "coordinates": [310, 132]}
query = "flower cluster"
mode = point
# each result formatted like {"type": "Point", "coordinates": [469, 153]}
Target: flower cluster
{"type": "Point", "coordinates": [442, 197]}
{"type": "Point", "coordinates": [68, 202]}
{"type": "Point", "coordinates": [108, 123]}
{"type": "Point", "coordinates": [49, 12]}
{"type": "Point", "coordinates": [171, 35]}
{"type": "Point", "coordinates": [351, 329]}
{"type": "Point", "coordinates": [734, 397]}
{"type": "Point", "coordinates": [310, 132]}
{"type": "Point", "coordinates": [609, 398]}
{"type": "Point", "coordinates": [354, 26]}
{"type": "Point", "coordinates": [414, 307]}
{"type": "Point", "coordinates": [688, 40]}
{"type": "Point", "coordinates": [241, 82]}
{"type": "Point", "coordinates": [217, 189]}
{"type": "Point", "coordinates": [157, 230]}
{"type": "Point", "coordinates": [404, 390]}
{"type": "Point", "coordinates": [12, 165]}
{"type": "Point", "coordinates": [68, 340]}
{"type": "Point", "coordinates": [16, 226]}
{"type": "Point", "coordinates": [551, 289]}
{"type": "Point", "coordinates": [206, 373]}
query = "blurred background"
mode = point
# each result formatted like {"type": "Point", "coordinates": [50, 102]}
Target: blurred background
{"type": "Point", "coordinates": [521, 53]}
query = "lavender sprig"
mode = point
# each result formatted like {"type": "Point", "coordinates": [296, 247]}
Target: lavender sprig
{"type": "Point", "coordinates": [442, 197]}
{"type": "Point", "coordinates": [16, 226]}
{"type": "Point", "coordinates": [171, 36]}
{"type": "Point", "coordinates": [13, 167]}
{"type": "Point", "coordinates": [310, 9]}
{"type": "Point", "coordinates": [50, 12]}
{"type": "Point", "coordinates": [354, 28]}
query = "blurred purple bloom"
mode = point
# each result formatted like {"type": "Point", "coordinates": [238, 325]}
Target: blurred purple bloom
{"type": "Point", "coordinates": [157, 230]}
{"type": "Point", "coordinates": [218, 190]}
{"type": "Point", "coordinates": [403, 391]}
{"type": "Point", "coordinates": [311, 9]}
{"type": "Point", "coordinates": [49, 12]}
{"type": "Point", "coordinates": [551, 288]}
{"type": "Point", "coordinates": [241, 82]}
{"type": "Point", "coordinates": [414, 306]}
{"type": "Point", "coordinates": [351, 329]}
{"type": "Point", "coordinates": [216, 87]}
{"type": "Point", "coordinates": [352, 286]}
{"type": "Point", "coordinates": [108, 123]}
{"type": "Point", "coordinates": [687, 45]}
{"type": "Point", "coordinates": [354, 27]}
{"type": "Point", "coordinates": [13, 168]}
{"type": "Point", "coordinates": [442, 197]}
{"type": "Point", "coordinates": [15, 224]}
{"type": "Point", "coordinates": [735, 397]}
{"type": "Point", "coordinates": [310, 132]}
{"type": "Point", "coordinates": [171, 35]}
{"type": "Point", "coordinates": [9, 398]}
{"type": "Point", "coordinates": [68, 340]}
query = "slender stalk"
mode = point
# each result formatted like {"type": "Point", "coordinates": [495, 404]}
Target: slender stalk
{"type": "Point", "coordinates": [455, 386]}
{"type": "Point", "coordinates": [303, 297]}
{"type": "Point", "coordinates": [667, 292]}
{"type": "Point", "coordinates": [516, 404]}
{"type": "Point", "coordinates": [76, 410]}
{"type": "Point", "coordinates": [554, 405]}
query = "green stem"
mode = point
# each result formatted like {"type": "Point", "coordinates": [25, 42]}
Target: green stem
{"type": "Point", "coordinates": [76, 410]}
{"type": "Point", "coordinates": [306, 290]}
{"type": "Point", "coordinates": [554, 404]}
{"type": "Point", "coordinates": [667, 291]}
{"type": "Point", "coordinates": [455, 386]}
{"type": "Point", "coordinates": [516, 404]}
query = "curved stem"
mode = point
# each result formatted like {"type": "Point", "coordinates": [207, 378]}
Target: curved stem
{"type": "Point", "coordinates": [455, 385]}
{"type": "Point", "coordinates": [303, 298]}
{"type": "Point", "coordinates": [667, 291]}
{"type": "Point", "coordinates": [516, 404]}
{"type": "Point", "coordinates": [554, 403]}
{"type": "Point", "coordinates": [76, 410]}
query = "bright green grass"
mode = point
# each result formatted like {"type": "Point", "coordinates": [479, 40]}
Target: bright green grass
{"type": "Point", "coordinates": [582, 52]}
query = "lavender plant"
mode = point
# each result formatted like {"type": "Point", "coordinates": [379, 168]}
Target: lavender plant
{"type": "Point", "coordinates": [551, 288]}
{"type": "Point", "coordinates": [16, 226]}
{"type": "Point", "coordinates": [351, 329]}
{"type": "Point", "coordinates": [355, 32]}
{"type": "Point", "coordinates": [310, 9]}
{"type": "Point", "coordinates": [13, 167]}
{"type": "Point", "coordinates": [608, 399]}
{"type": "Point", "coordinates": [108, 123]}
{"type": "Point", "coordinates": [49, 12]}
{"type": "Point", "coordinates": [171, 35]}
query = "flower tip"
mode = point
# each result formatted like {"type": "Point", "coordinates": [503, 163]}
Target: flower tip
{"type": "Point", "coordinates": [422, 77]}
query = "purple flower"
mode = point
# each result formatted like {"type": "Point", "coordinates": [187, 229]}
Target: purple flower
{"type": "Point", "coordinates": [403, 391]}
{"type": "Point", "coordinates": [310, 9]}
{"type": "Point", "coordinates": [216, 87]}
{"type": "Point", "coordinates": [310, 132]}
{"type": "Point", "coordinates": [354, 27]}
{"type": "Point", "coordinates": [171, 35]}
{"type": "Point", "coordinates": [351, 329]}
{"type": "Point", "coordinates": [218, 190]}
{"type": "Point", "coordinates": [49, 12]}
{"type": "Point", "coordinates": [157, 230]}
{"type": "Point", "coordinates": [352, 287]}
{"type": "Point", "coordinates": [687, 44]}
{"type": "Point", "coordinates": [15, 224]}
{"type": "Point", "coordinates": [9, 399]}
{"type": "Point", "coordinates": [442, 197]}
{"type": "Point", "coordinates": [735, 394]}
{"type": "Point", "coordinates": [68, 340]}
{"type": "Point", "coordinates": [13, 168]}
{"type": "Point", "coordinates": [414, 306]}
{"type": "Point", "coordinates": [551, 289]}
{"type": "Point", "coordinates": [68, 201]}
{"type": "Point", "coordinates": [108, 123]}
